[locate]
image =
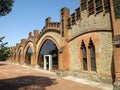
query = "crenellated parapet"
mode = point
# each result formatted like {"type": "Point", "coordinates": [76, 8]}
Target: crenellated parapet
{"type": "Point", "coordinates": [23, 41]}
{"type": "Point", "coordinates": [36, 35]}
{"type": "Point", "coordinates": [32, 37]}
{"type": "Point", "coordinates": [51, 25]}
{"type": "Point", "coordinates": [17, 46]}
{"type": "Point", "coordinates": [73, 18]}
{"type": "Point", "coordinates": [91, 7]}
{"type": "Point", "coordinates": [91, 16]}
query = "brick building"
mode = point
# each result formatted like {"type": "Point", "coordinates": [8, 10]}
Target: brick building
{"type": "Point", "coordinates": [85, 43]}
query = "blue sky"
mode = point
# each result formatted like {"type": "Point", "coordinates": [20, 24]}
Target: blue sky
{"type": "Point", "coordinates": [27, 15]}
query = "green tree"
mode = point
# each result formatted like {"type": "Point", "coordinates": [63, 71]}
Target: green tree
{"type": "Point", "coordinates": [5, 7]}
{"type": "Point", "coordinates": [4, 50]}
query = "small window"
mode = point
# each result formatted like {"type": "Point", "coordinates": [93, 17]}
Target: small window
{"type": "Point", "coordinates": [107, 5]}
{"type": "Point", "coordinates": [73, 18]}
{"type": "Point", "coordinates": [92, 55]}
{"type": "Point", "coordinates": [83, 4]}
{"type": "Point", "coordinates": [69, 23]}
{"type": "Point", "coordinates": [117, 8]}
{"type": "Point", "coordinates": [62, 13]}
{"type": "Point", "coordinates": [62, 28]}
{"type": "Point", "coordinates": [91, 7]}
{"type": "Point", "coordinates": [78, 13]}
{"type": "Point", "coordinates": [84, 55]}
{"type": "Point", "coordinates": [98, 6]}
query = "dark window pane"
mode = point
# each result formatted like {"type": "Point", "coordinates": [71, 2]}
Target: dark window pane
{"type": "Point", "coordinates": [83, 4]}
{"type": "Point", "coordinates": [49, 48]}
{"type": "Point", "coordinates": [69, 23]}
{"type": "Point", "coordinates": [84, 55]}
{"type": "Point", "coordinates": [28, 55]}
{"type": "Point", "coordinates": [62, 28]}
{"type": "Point", "coordinates": [91, 7]}
{"type": "Point", "coordinates": [107, 5]}
{"type": "Point", "coordinates": [117, 8]}
{"type": "Point", "coordinates": [92, 55]}
{"type": "Point", "coordinates": [73, 18]}
{"type": "Point", "coordinates": [98, 6]}
{"type": "Point", "coordinates": [20, 54]}
{"type": "Point", "coordinates": [77, 13]}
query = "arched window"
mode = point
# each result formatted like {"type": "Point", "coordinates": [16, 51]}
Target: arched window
{"type": "Point", "coordinates": [84, 55]}
{"type": "Point", "coordinates": [28, 55]}
{"type": "Point", "coordinates": [92, 55]}
{"type": "Point", "coordinates": [49, 48]}
{"type": "Point", "coordinates": [20, 54]}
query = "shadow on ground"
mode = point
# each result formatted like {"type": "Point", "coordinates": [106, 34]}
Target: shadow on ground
{"type": "Point", "coordinates": [27, 83]}
{"type": "Point", "coordinates": [2, 64]}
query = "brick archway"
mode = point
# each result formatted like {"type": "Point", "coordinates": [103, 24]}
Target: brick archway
{"type": "Point", "coordinates": [20, 57]}
{"type": "Point", "coordinates": [42, 43]}
{"type": "Point", "coordinates": [50, 38]}
{"type": "Point", "coordinates": [29, 44]}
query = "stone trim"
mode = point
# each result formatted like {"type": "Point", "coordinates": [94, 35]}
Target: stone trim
{"type": "Point", "coordinates": [47, 30]}
{"type": "Point", "coordinates": [88, 32]}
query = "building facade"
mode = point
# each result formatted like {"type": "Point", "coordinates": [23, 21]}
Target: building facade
{"type": "Point", "coordinates": [85, 43]}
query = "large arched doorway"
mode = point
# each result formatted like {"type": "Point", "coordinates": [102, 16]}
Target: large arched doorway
{"type": "Point", "coordinates": [48, 48]}
{"type": "Point", "coordinates": [28, 56]}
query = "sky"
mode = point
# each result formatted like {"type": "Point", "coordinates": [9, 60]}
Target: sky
{"type": "Point", "coordinates": [29, 15]}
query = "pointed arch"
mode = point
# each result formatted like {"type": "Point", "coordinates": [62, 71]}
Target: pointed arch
{"type": "Point", "coordinates": [92, 55]}
{"type": "Point", "coordinates": [42, 42]}
{"type": "Point", "coordinates": [84, 55]}
{"type": "Point", "coordinates": [52, 49]}
{"type": "Point", "coordinates": [28, 56]}
{"type": "Point", "coordinates": [28, 52]}
{"type": "Point", "coordinates": [20, 54]}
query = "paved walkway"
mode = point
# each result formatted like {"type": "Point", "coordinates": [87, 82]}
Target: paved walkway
{"type": "Point", "coordinates": [15, 77]}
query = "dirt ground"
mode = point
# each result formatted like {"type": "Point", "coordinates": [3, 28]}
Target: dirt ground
{"type": "Point", "coordinates": [15, 77]}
